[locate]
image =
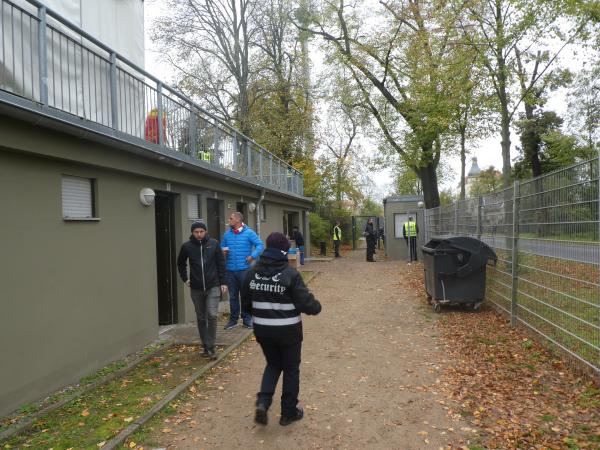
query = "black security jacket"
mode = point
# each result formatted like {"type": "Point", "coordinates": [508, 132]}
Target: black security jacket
{"type": "Point", "coordinates": [275, 294]}
{"type": "Point", "coordinates": [207, 263]}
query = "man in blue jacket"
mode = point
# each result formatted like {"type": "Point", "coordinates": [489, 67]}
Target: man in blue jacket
{"type": "Point", "coordinates": [241, 246]}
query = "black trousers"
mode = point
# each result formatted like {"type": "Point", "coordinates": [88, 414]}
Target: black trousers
{"type": "Point", "coordinates": [370, 249]}
{"type": "Point", "coordinates": [286, 359]}
{"type": "Point", "coordinates": [412, 244]}
{"type": "Point", "coordinates": [336, 248]}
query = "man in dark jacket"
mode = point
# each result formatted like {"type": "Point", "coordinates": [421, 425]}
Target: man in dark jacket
{"type": "Point", "coordinates": [276, 296]}
{"type": "Point", "coordinates": [299, 239]}
{"type": "Point", "coordinates": [206, 281]}
{"type": "Point", "coordinates": [371, 238]}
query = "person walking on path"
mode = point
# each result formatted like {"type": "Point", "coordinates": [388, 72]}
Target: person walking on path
{"type": "Point", "coordinates": [206, 282]}
{"type": "Point", "coordinates": [299, 239]}
{"type": "Point", "coordinates": [277, 295]}
{"type": "Point", "coordinates": [337, 238]}
{"type": "Point", "coordinates": [371, 237]}
{"type": "Point", "coordinates": [410, 231]}
{"type": "Point", "coordinates": [242, 247]}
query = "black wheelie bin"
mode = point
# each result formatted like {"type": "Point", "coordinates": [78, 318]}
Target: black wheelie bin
{"type": "Point", "coordinates": [455, 271]}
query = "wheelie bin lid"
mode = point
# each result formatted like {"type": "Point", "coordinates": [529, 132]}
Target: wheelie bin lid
{"type": "Point", "coordinates": [479, 250]}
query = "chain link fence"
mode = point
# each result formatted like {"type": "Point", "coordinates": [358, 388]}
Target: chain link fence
{"type": "Point", "coordinates": [545, 232]}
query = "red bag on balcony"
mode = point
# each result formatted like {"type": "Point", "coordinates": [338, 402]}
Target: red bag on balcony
{"type": "Point", "coordinates": [151, 128]}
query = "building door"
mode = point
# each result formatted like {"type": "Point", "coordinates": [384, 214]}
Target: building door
{"type": "Point", "coordinates": [214, 218]}
{"type": "Point", "coordinates": [166, 270]}
{"type": "Point", "coordinates": [290, 220]}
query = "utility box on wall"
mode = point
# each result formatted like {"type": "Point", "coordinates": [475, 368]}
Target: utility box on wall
{"type": "Point", "coordinates": [397, 209]}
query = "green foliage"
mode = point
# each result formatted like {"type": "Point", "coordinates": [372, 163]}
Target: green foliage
{"type": "Point", "coordinates": [371, 208]}
{"type": "Point", "coordinates": [320, 228]}
{"type": "Point", "coordinates": [487, 181]}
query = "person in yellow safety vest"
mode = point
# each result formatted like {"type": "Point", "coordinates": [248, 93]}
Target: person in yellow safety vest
{"type": "Point", "coordinates": [337, 238]}
{"type": "Point", "coordinates": [410, 231]}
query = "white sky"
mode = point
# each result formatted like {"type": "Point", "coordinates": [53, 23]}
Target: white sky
{"type": "Point", "coordinates": [487, 151]}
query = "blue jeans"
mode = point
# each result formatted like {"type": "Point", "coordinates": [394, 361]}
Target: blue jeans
{"type": "Point", "coordinates": [301, 249]}
{"type": "Point", "coordinates": [234, 284]}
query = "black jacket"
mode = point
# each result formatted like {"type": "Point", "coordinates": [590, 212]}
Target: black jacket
{"type": "Point", "coordinates": [275, 295]}
{"type": "Point", "coordinates": [297, 236]}
{"type": "Point", "coordinates": [370, 233]}
{"type": "Point", "coordinates": [207, 263]}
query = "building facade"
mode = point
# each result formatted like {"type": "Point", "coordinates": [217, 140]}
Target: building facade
{"type": "Point", "coordinates": [87, 262]}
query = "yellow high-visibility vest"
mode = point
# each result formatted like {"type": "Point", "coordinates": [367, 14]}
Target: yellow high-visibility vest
{"type": "Point", "coordinates": [339, 233]}
{"type": "Point", "coordinates": [410, 228]}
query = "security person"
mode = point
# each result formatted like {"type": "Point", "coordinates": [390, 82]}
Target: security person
{"type": "Point", "coordinates": [337, 238]}
{"type": "Point", "coordinates": [410, 231]}
{"type": "Point", "coordinates": [276, 296]}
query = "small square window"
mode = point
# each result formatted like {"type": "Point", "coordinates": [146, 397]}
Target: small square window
{"type": "Point", "coordinates": [263, 212]}
{"type": "Point", "coordinates": [78, 200]}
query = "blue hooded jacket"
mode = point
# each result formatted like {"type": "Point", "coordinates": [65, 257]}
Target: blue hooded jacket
{"type": "Point", "coordinates": [240, 246]}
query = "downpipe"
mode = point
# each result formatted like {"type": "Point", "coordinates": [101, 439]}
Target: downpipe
{"type": "Point", "coordinates": [258, 209]}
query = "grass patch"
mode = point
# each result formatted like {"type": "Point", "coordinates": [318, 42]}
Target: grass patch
{"type": "Point", "coordinates": [99, 414]}
{"type": "Point", "coordinates": [590, 398]}
{"type": "Point", "coordinates": [548, 418]}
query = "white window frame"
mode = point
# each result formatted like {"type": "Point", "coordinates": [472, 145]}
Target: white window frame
{"type": "Point", "coordinates": [78, 198]}
{"type": "Point", "coordinates": [398, 229]}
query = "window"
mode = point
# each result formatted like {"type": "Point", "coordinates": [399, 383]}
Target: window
{"type": "Point", "coordinates": [399, 220]}
{"type": "Point", "coordinates": [78, 198]}
{"type": "Point", "coordinates": [194, 207]}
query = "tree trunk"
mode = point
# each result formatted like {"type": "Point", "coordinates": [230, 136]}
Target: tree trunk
{"type": "Point", "coordinates": [503, 95]}
{"type": "Point", "coordinates": [428, 177]}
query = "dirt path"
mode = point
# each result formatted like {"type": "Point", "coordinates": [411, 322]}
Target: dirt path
{"type": "Point", "coordinates": [370, 367]}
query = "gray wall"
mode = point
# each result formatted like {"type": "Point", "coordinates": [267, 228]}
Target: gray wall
{"type": "Point", "coordinates": [77, 295]}
{"type": "Point", "coordinates": [396, 248]}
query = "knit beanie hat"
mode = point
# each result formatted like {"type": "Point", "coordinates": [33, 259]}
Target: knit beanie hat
{"type": "Point", "coordinates": [278, 241]}
{"type": "Point", "coordinates": [198, 225]}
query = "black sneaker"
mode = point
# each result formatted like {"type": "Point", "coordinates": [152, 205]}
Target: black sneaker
{"type": "Point", "coordinates": [205, 353]}
{"type": "Point", "coordinates": [212, 355]}
{"type": "Point", "coordinates": [260, 415]}
{"type": "Point", "coordinates": [285, 420]}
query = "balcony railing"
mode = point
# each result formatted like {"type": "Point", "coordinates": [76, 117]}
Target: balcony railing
{"type": "Point", "coordinates": [47, 59]}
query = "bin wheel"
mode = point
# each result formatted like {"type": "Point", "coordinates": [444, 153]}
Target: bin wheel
{"type": "Point", "coordinates": [437, 307]}
{"type": "Point", "coordinates": [429, 299]}
{"type": "Point", "coordinates": [476, 306]}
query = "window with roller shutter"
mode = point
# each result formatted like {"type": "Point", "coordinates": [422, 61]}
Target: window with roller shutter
{"type": "Point", "coordinates": [78, 198]}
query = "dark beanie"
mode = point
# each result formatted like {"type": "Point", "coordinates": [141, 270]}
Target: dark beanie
{"type": "Point", "coordinates": [198, 225]}
{"type": "Point", "coordinates": [278, 241]}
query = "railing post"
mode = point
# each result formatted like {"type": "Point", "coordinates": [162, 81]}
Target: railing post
{"type": "Point", "coordinates": [248, 158]}
{"type": "Point", "coordinates": [114, 110]}
{"type": "Point", "coordinates": [192, 134]}
{"type": "Point", "coordinates": [270, 169]}
{"type": "Point", "coordinates": [515, 254]}
{"type": "Point", "coordinates": [216, 142]}
{"type": "Point", "coordinates": [479, 213]}
{"type": "Point", "coordinates": [260, 164]}
{"type": "Point", "coordinates": [43, 55]}
{"type": "Point", "coordinates": [159, 90]}
{"type": "Point", "coordinates": [235, 152]}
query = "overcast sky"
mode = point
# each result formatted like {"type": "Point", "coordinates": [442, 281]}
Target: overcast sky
{"type": "Point", "coordinates": [488, 151]}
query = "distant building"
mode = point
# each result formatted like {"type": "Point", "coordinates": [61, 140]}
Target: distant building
{"type": "Point", "coordinates": [473, 173]}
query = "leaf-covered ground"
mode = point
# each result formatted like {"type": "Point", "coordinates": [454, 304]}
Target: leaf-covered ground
{"type": "Point", "coordinates": [510, 387]}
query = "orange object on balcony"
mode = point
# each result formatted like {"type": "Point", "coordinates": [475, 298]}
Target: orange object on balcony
{"type": "Point", "coordinates": [151, 128]}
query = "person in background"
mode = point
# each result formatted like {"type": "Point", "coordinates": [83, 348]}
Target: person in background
{"type": "Point", "coordinates": [297, 236]}
{"type": "Point", "coordinates": [410, 231]}
{"type": "Point", "coordinates": [242, 247]}
{"type": "Point", "coordinates": [276, 295]}
{"type": "Point", "coordinates": [206, 282]}
{"type": "Point", "coordinates": [337, 238]}
{"type": "Point", "coordinates": [371, 238]}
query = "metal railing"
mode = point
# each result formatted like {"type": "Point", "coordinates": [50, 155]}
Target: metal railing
{"type": "Point", "coordinates": [545, 232]}
{"type": "Point", "coordinates": [47, 59]}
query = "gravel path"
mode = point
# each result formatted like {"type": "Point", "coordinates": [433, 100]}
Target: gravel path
{"type": "Point", "coordinates": [371, 367]}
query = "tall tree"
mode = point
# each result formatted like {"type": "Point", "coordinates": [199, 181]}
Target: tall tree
{"type": "Point", "coordinates": [401, 65]}
{"type": "Point", "coordinates": [209, 43]}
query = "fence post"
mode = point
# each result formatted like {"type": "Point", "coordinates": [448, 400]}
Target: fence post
{"type": "Point", "coordinates": [479, 212]}
{"type": "Point", "coordinates": [160, 114]}
{"type": "Point", "coordinates": [114, 110]}
{"type": "Point", "coordinates": [456, 207]}
{"type": "Point", "coordinates": [235, 143]}
{"type": "Point", "coordinates": [515, 254]}
{"type": "Point", "coordinates": [43, 55]}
